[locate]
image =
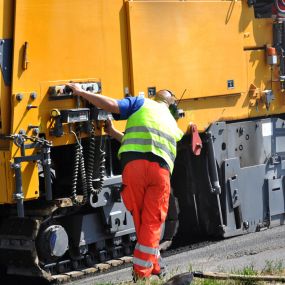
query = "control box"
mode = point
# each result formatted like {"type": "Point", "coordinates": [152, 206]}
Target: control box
{"type": "Point", "coordinates": [74, 115]}
{"type": "Point", "coordinates": [61, 92]}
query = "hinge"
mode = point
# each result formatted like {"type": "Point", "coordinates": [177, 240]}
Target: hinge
{"type": "Point", "coordinates": [6, 48]}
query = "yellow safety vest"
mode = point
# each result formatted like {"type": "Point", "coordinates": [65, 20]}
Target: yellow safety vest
{"type": "Point", "coordinates": [152, 129]}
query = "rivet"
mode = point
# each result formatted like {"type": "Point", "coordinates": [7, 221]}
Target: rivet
{"type": "Point", "coordinates": [19, 97]}
{"type": "Point", "coordinates": [33, 95]}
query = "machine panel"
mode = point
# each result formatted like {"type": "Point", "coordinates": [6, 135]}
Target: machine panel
{"type": "Point", "coordinates": [182, 50]}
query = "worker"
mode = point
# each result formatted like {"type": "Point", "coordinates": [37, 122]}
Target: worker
{"type": "Point", "coordinates": [147, 154]}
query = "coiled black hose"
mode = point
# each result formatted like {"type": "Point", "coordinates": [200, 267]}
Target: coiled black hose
{"type": "Point", "coordinates": [83, 178]}
{"type": "Point", "coordinates": [79, 167]}
{"type": "Point", "coordinates": [90, 163]}
{"type": "Point", "coordinates": [75, 173]}
{"type": "Point", "coordinates": [102, 168]}
{"type": "Point", "coordinates": [93, 153]}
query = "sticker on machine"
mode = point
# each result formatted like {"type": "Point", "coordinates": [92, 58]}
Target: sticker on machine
{"type": "Point", "coordinates": [267, 129]}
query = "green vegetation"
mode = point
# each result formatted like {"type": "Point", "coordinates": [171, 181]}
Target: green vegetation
{"type": "Point", "coordinates": [247, 271]}
{"type": "Point", "coordinates": [274, 268]}
{"type": "Point", "coordinates": [208, 282]}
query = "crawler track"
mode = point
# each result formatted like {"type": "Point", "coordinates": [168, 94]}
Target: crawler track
{"type": "Point", "coordinates": [236, 252]}
{"type": "Point", "coordinates": [98, 269]}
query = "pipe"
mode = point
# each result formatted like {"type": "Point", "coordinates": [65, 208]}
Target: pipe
{"type": "Point", "coordinates": [47, 174]}
{"type": "Point", "coordinates": [18, 195]}
{"type": "Point", "coordinates": [214, 177]}
{"type": "Point", "coordinates": [216, 188]}
{"type": "Point", "coordinates": [228, 276]}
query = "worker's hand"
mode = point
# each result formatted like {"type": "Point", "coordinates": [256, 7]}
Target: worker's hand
{"type": "Point", "coordinates": [109, 128]}
{"type": "Point", "coordinates": [76, 88]}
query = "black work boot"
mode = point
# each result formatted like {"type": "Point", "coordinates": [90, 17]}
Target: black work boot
{"type": "Point", "coordinates": [163, 273]}
{"type": "Point", "coordinates": [147, 280]}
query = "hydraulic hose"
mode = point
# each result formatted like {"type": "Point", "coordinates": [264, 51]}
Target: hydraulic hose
{"type": "Point", "coordinates": [92, 155]}
{"type": "Point", "coordinates": [90, 164]}
{"type": "Point", "coordinates": [79, 167]}
{"type": "Point", "coordinates": [102, 168]}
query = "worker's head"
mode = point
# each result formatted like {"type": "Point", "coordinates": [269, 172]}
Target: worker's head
{"type": "Point", "coordinates": [165, 96]}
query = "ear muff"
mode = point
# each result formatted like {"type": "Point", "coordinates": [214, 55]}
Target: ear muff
{"type": "Point", "coordinates": [174, 111]}
{"type": "Point", "coordinates": [173, 108]}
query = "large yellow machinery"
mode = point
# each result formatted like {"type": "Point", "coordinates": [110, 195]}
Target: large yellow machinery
{"type": "Point", "coordinates": [60, 205]}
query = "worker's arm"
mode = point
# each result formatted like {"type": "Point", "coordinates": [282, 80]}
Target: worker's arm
{"type": "Point", "coordinates": [106, 103]}
{"type": "Point", "coordinates": [111, 131]}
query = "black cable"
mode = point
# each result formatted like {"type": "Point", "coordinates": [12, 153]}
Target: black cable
{"type": "Point", "coordinates": [91, 163]}
{"type": "Point", "coordinates": [83, 177]}
{"type": "Point", "coordinates": [102, 168]}
{"type": "Point", "coordinates": [79, 168]}
{"type": "Point", "coordinates": [75, 174]}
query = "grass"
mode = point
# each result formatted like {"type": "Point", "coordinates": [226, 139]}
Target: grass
{"type": "Point", "coordinates": [275, 267]}
{"type": "Point", "coordinates": [272, 267]}
{"type": "Point", "coordinates": [247, 271]}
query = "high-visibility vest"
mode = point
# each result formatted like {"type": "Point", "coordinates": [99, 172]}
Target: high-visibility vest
{"type": "Point", "coordinates": [152, 129]}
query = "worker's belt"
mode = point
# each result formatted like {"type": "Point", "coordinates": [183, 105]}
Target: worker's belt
{"type": "Point", "coordinates": [133, 155]}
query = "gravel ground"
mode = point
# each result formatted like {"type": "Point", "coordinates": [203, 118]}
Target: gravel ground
{"type": "Point", "coordinates": [224, 256]}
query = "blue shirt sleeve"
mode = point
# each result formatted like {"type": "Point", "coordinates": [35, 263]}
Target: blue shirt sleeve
{"type": "Point", "coordinates": [128, 106]}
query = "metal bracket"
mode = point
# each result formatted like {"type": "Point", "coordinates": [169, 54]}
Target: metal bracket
{"type": "Point", "coordinates": [116, 219]}
{"type": "Point", "coordinates": [6, 48]}
{"type": "Point", "coordinates": [275, 159]}
{"type": "Point", "coordinates": [276, 193]}
{"type": "Point", "coordinates": [234, 186]}
{"type": "Point", "coordinates": [268, 98]}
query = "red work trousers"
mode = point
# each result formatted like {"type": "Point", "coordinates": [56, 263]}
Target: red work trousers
{"type": "Point", "coordinates": [146, 189]}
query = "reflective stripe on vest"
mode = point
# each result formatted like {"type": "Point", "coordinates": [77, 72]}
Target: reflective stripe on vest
{"type": "Point", "coordinates": [147, 249]}
{"type": "Point", "coordinates": [152, 129]}
{"type": "Point", "coordinates": [142, 262]}
{"type": "Point", "coordinates": [150, 142]}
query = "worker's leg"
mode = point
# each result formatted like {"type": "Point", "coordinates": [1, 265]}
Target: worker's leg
{"type": "Point", "coordinates": [134, 185]}
{"type": "Point", "coordinates": [134, 178]}
{"type": "Point", "coordinates": [154, 211]}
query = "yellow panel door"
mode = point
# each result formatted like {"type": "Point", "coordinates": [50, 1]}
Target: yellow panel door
{"type": "Point", "coordinates": [192, 45]}
{"type": "Point", "coordinates": [55, 42]}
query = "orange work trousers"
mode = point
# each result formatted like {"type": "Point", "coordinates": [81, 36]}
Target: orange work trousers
{"type": "Point", "coordinates": [146, 189]}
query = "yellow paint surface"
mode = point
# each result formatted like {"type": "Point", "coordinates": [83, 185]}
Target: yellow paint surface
{"type": "Point", "coordinates": [187, 45]}
{"type": "Point", "coordinates": [194, 45]}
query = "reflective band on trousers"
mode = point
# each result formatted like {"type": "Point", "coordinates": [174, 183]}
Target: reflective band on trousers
{"type": "Point", "coordinates": [151, 130]}
{"type": "Point", "coordinates": [142, 263]}
{"type": "Point", "coordinates": [147, 249]}
{"type": "Point", "coordinates": [280, 6]}
{"type": "Point", "coordinates": [150, 142]}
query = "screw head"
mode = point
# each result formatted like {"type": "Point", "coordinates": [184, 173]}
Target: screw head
{"type": "Point", "coordinates": [33, 95]}
{"type": "Point", "coordinates": [36, 131]}
{"type": "Point", "coordinates": [19, 97]}
{"type": "Point", "coordinates": [246, 224]}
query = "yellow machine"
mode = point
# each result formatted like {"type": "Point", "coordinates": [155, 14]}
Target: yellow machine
{"type": "Point", "coordinates": [60, 177]}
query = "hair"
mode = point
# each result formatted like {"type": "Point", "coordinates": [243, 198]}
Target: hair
{"type": "Point", "coordinates": [163, 98]}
